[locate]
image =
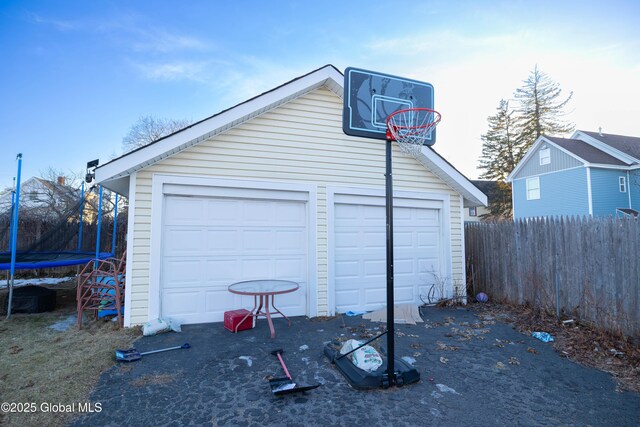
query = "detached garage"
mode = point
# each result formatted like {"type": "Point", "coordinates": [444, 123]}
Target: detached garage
{"type": "Point", "coordinates": [359, 250]}
{"type": "Point", "coordinates": [272, 188]}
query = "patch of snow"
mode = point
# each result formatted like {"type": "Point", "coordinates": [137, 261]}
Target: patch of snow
{"type": "Point", "coordinates": [445, 389]}
{"type": "Point", "coordinates": [65, 324]}
{"type": "Point", "coordinates": [36, 281]}
{"type": "Point", "coordinates": [410, 360]}
{"type": "Point", "coordinates": [248, 359]}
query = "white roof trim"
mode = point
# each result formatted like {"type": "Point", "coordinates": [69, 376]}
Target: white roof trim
{"type": "Point", "coordinates": [115, 174]}
{"type": "Point", "coordinates": [602, 146]}
{"type": "Point", "coordinates": [512, 176]}
{"type": "Point", "coordinates": [447, 173]}
{"type": "Point", "coordinates": [527, 156]}
{"type": "Point", "coordinates": [163, 148]}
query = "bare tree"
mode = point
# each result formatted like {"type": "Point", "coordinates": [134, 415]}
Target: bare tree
{"type": "Point", "coordinates": [149, 129]}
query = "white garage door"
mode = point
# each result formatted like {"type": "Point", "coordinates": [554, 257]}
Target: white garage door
{"type": "Point", "coordinates": [360, 254]}
{"type": "Point", "coordinates": [211, 242]}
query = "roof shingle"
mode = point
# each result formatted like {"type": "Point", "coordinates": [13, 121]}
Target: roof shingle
{"type": "Point", "coordinates": [585, 151]}
{"type": "Point", "coordinates": [627, 144]}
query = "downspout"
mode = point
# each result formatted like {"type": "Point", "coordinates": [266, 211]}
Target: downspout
{"type": "Point", "coordinates": [589, 194]}
{"type": "Point", "coordinates": [629, 189]}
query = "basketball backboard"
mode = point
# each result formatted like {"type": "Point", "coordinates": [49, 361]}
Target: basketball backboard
{"type": "Point", "coordinates": [370, 97]}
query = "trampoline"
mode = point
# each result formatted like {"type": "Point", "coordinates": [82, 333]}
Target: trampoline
{"type": "Point", "coordinates": [58, 237]}
{"type": "Point", "coordinates": [37, 260]}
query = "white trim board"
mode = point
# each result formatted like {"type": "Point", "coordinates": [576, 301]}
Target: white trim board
{"type": "Point", "coordinates": [130, 253]}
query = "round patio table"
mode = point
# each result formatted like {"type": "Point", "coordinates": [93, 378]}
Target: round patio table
{"type": "Point", "coordinates": [263, 292]}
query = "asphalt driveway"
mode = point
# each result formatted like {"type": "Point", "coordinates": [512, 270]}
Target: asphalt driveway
{"type": "Point", "coordinates": [475, 370]}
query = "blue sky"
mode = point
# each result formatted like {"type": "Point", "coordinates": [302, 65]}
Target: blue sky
{"type": "Point", "coordinates": [76, 75]}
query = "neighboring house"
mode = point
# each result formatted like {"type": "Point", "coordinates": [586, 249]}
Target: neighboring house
{"type": "Point", "coordinates": [272, 188]}
{"type": "Point", "coordinates": [479, 213]}
{"type": "Point", "coordinates": [40, 198]}
{"type": "Point", "coordinates": [591, 174]}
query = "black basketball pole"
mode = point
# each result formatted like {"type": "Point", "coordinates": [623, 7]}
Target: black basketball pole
{"type": "Point", "coordinates": [390, 298]}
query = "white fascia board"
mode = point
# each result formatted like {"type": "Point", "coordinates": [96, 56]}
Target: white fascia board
{"type": "Point", "coordinates": [432, 161]}
{"type": "Point", "coordinates": [534, 147]}
{"type": "Point", "coordinates": [623, 157]}
{"type": "Point", "coordinates": [164, 148]}
{"type": "Point", "coordinates": [617, 167]}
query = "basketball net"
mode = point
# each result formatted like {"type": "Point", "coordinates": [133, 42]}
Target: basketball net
{"type": "Point", "coordinates": [411, 128]}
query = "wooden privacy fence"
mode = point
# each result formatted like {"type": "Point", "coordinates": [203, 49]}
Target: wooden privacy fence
{"type": "Point", "coordinates": [585, 268]}
{"type": "Point", "coordinates": [30, 230]}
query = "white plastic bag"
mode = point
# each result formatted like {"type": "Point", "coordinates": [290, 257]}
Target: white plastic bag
{"type": "Point", "coordinates": [159, 326]}
{"type": "Point", "coordinates": [349, 345]}
{"type": "Point", "coordinates": [365, 357]}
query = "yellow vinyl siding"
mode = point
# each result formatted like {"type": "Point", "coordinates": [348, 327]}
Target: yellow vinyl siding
{"type": "Point", "coordinates": [301, 141]}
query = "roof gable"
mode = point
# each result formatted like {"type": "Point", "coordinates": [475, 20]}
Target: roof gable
{"type": "Point", "coordinates": [115, 174]}
{"type": "Point", "coordinates": [589, 150]}
{"type": "Point", "coordinates": [626, 148]}
{"type": "Point", "coordinates": [531, 153]}
{"type": "Point", "coordinates": [125, 165]}
{"type": "Point", "coordinates": [586, 152]}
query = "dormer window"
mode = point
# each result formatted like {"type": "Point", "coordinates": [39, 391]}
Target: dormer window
{"type": "Point", "coordinates": [545, 156]}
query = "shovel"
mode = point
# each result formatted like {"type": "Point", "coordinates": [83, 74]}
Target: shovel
{"type": "Point", "coordinates": [132, 354]}
{"type": "Point", "coordinates": [285, 385]}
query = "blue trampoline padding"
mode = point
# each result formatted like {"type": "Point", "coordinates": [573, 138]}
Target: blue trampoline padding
{"type": "Point", "coordinates": [36, 260]}
{"type": "Point", "coordinates": [108, 312]}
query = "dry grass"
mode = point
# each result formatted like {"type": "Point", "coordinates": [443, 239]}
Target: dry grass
{"type": "Point", "coordinates": [41, 365]}
{"type": "Point", "coordinates": [582, 343]}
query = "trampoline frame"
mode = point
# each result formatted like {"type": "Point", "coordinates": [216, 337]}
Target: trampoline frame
{"type": "Point", "coordinates": [71, 257]}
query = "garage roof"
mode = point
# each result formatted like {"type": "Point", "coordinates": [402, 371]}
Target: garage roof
{"type": "Point", "coordinates": [115, 174]}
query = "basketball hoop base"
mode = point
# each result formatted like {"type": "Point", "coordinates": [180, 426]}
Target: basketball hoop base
{"type": "Point", "coordinates": [362, 380]}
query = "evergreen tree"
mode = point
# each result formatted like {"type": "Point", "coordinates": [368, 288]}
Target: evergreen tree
{"type": "Point", "coordinates": [511, 132]}
{"type": "Point", "coordinates": [500, 150]}
{"type": "Point", "coordinates": [540, 109]}
{"type": "Point", "coordinates": [500, 154]}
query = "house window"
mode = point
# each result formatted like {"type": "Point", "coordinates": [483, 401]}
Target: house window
{"type": "Point", "coordinates": [473, 212]}
{"type": "Point", "coordinates": [623, 184]}
{"type": "Point", "coordinates": [545, 156]}
{"type": "Point", "coordinates": [533, 188]}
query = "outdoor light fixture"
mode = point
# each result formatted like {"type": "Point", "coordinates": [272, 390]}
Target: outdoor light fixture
{"type": "Point", "coordinates": [91, 170]}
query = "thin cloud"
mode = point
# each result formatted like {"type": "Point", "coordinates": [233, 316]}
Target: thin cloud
{"type": "Point", "coordinates": [133, 32]}
{"type": "Point", "coordinates": [162, 41]}
{"type": "Point", "coordinates": [170, 71]}
{"type": "Point", "coordinates": [443, 41]}
{"type": "Point", "coordinates": [58, 24]}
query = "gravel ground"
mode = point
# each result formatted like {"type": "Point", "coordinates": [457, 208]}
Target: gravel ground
{"type": "Point", "coordinates": [475, 369]}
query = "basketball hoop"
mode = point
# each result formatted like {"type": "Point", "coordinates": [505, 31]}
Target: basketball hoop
{"type": "Point", "coordinates": [411, 128]}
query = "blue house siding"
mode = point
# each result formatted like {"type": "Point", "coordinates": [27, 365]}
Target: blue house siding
{"type": "Point", "coordinates": [605, 189]}
{"type": "Point", "coordinates": [559, 160]}
{"type": "Point", "coordinates": [561, 193]}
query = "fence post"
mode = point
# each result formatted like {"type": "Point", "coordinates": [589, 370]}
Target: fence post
{"type": "Point", "coordinates": [592, 259]}
{"type": "Point", "coordinates": [557, 296]}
